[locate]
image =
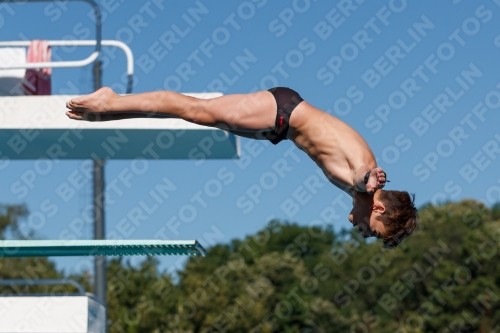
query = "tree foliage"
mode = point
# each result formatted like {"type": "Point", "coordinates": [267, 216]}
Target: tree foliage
{"type": "Point", "coordinates": [293, 278]}
{"type": "Point", "coordinates": [27, 269]}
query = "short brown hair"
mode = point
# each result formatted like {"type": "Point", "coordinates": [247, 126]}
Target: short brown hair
{"type": "Point", "coordinates": [399, 218]}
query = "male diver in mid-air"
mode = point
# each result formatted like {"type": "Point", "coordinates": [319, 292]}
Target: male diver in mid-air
{"type": "Point", "coordinates": [276, 115]}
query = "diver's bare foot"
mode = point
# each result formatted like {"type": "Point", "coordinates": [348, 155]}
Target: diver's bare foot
{"type": "Point", "coordinates": [99, 101]}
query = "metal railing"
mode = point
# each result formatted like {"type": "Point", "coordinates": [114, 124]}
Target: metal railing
{"type": "Point", "coordinates": [43, 282]}
{"type": "Point", "coordinates": [47, 282]}
{"type": "Point", "coordinates": [79, 63]}
{"type": "Point", "coordinates": [60, 64]}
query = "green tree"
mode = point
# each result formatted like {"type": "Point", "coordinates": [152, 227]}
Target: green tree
{"type": "Point", "coordinates": [293, 278]}
{"type": "Point", "coordinates": [495, 211]}
{"type": "Point", "coordinates": [139, 298]}
{"type": "Point", "coordinates": [314, 280]}
{"type": "Point", "coordinates": [26, 269]}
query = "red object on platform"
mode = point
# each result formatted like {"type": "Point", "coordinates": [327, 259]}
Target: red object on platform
{"type": "Point", "coordinates": [37, 81]}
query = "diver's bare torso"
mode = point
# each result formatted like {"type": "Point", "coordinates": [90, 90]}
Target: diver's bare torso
{"type": "Point", "coordinates": [335, 146]}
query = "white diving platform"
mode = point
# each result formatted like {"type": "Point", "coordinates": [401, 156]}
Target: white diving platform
{"type": "Point", "coordinates": [36, 127]}
{"type": "Point", "coordinates": [54, 311]}
{"type": "Point", "coordinates": [54, 314]}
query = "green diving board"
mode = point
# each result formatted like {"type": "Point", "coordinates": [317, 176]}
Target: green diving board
{"type": "Point", "coordinates": [66, 248]}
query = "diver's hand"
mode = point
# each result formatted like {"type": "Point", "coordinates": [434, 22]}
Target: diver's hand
{"type": "Point", "coordinates": [376, 180]}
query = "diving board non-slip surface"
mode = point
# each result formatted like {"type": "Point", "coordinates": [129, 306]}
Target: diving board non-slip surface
{"type": "Point", "coordinates": [65, 248]}
{"type": "Point", "coordinates": [34, 127]}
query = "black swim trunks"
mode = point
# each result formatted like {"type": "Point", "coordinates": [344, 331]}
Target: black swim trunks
{"type": "Point", "coordinates": [286, 101]}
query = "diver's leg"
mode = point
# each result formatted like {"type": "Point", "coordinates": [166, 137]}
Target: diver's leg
{"type": "Point", "coordinates": [251, 112]}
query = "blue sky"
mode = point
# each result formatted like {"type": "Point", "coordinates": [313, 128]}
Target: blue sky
{"type": "Point", "coordinates": [418, 79]}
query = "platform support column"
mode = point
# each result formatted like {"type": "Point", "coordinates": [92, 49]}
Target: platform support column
{"type": "Point", "coordinates": [100, 261]}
